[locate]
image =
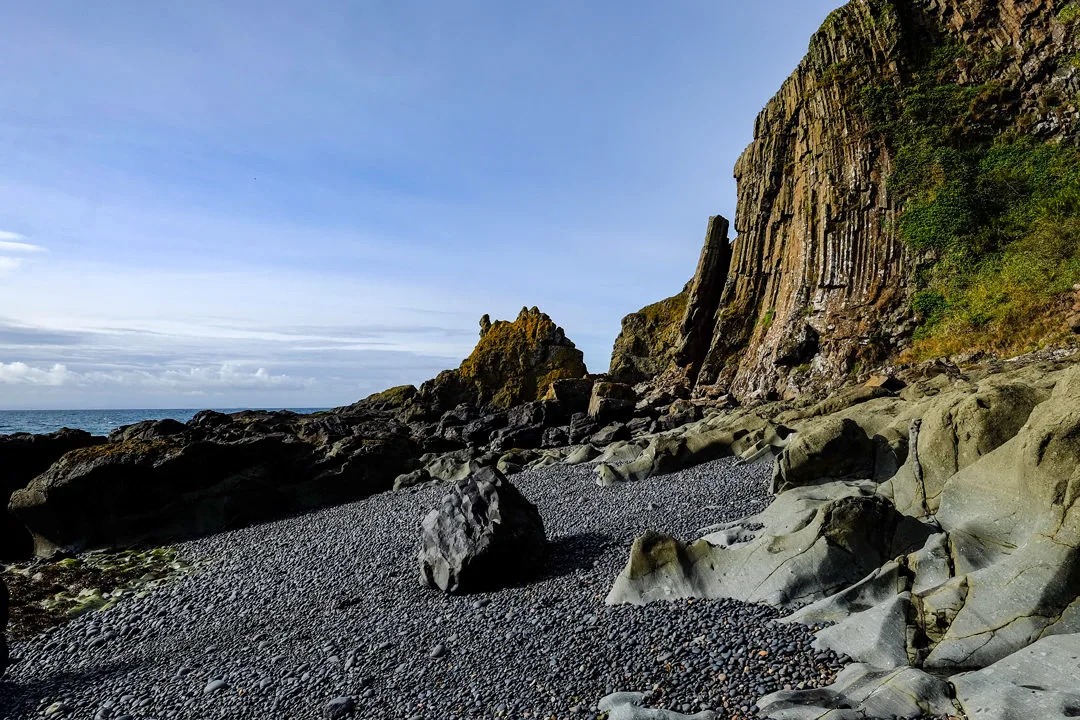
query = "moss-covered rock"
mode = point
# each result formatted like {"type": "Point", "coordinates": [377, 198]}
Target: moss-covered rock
{"type": "Point", "coordinates": [47, 594]}
{"type": "Point", "coordinates": [648, 340]}
{"type": "Point", "coordinates": [391, 399]}
{"type": "Point", "coordinates": [514, 363]}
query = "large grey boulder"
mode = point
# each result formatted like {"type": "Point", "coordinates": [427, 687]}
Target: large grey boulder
{"type": "Point", "coordinates": [483, 535]}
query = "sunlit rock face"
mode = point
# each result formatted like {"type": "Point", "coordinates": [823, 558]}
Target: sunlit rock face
{"type": "Point", "coordinates": [820, 282]}
{"type": "Point", "coordinates": [513, 363]}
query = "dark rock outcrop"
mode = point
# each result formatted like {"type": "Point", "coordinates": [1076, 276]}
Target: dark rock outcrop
{"type": "Point", "coordinates": [22, 457]}
{"type": "Point", "coordinates": [706, 288]}
{"type": "Point", "coordinates": [484, 535]}
{"type": "Point", "coordinates": [572, 394]}
{"type": "Point", "coordinates": [217, 472]}
{"type": "Point", "coordinates": [673, 335]}
{"type": "Point", "coordinates": [611, 402]}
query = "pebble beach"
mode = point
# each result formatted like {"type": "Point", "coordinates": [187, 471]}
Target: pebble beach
{"type": "Point", "coordinates": [322, 615]}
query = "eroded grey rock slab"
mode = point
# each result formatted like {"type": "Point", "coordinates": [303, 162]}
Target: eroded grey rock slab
{"type": "Point", "coordinates": [628, 706]}
{"type": "Point", "coordinates": [877, 636]}
{"type": "Point", "coordinates": [1040, 681]}
{"type": "Point", "coordinates": [809, 544]}
{"type": "Point", "coordinates": [862, 692]}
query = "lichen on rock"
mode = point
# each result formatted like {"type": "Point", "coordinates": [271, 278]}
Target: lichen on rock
{"type": "Point", "coordinates": [513, 363]}
{"type": "Point", "coordinates": [648, 340]}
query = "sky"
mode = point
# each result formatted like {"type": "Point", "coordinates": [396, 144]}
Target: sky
{"type": "Point", "coordinates": [222, 203]}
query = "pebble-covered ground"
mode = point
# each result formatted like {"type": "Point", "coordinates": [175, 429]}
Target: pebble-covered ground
{"type": "Point", "coordinates": [321, 614]}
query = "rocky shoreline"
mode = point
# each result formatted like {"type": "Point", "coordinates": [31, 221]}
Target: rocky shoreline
{"type": "Point", "coordinates": [839, 514]}
{"type": "Point", "coordinates": [293, 614]}
{"type": "Point", "coordinates": [769, 506]}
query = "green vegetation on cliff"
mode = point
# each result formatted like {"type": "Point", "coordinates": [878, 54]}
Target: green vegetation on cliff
{"type": "Point", "coordinates": [993, 213]}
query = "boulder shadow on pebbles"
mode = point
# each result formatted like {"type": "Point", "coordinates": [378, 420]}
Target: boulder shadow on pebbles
{"type": "Point", "coordinates": [483, 536]}
{"type": "Point", "coordinates": [580, 551]}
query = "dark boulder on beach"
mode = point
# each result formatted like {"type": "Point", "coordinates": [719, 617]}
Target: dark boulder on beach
{"type": "Point", "coordinates": [160, 482]}
{"type": "Point", "coordinates": [22, 457]}
{"type": "Point", "coordinates": [483, 535]}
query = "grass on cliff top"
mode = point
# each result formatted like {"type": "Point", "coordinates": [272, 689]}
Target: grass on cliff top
{"type": "Point", "coordinates": [995, 215]}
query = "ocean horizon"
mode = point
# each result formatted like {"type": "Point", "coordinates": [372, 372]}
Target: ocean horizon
{"type": "Point", "coordinates": [104, 421]}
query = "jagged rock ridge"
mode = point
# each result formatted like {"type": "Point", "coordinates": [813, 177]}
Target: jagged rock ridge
{"type": "Point", "coordinates": [514, 363]}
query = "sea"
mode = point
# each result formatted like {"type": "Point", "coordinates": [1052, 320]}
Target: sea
{"type": "Point", "coordinates": [99, 422]}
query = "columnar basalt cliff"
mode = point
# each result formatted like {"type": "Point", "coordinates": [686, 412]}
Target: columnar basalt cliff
{"type": "Point", "coordinates": [844, 209]}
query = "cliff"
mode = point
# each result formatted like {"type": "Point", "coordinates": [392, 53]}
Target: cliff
{"type": "Point", "coordinates": [904, 196]}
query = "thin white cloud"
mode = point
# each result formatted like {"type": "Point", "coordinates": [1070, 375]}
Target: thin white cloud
{"type": "Point", "coordinates": [16, 243]}
{"type": "Point", "coordinates": [227, 376]}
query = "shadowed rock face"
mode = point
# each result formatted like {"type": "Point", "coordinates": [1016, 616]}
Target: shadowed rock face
{"type": "Point", "coordinates": [820, 282]}
{"type": "Point", "coordinates": [161, 481]}
{"type": "Point", "coordinates": [22, 457]}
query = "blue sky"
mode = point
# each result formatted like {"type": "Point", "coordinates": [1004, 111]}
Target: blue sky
{"type": "Point", "coordinates": [297, 204]}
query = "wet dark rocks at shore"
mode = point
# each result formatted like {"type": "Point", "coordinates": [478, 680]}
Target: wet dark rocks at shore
{"type": "Point", "coordinates": [323, 616]}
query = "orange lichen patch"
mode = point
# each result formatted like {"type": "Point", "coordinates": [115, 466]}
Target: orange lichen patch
{"type": "Point", "coordinates": [516, 362]}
